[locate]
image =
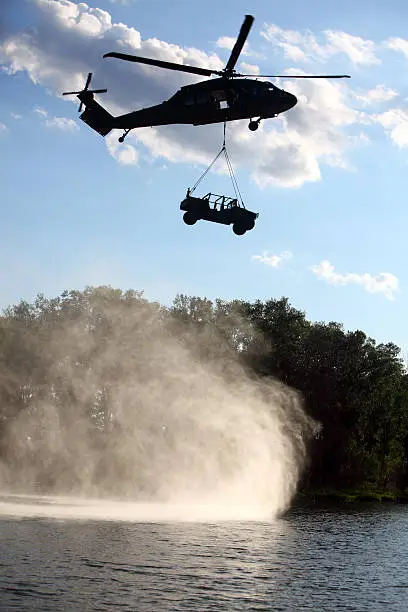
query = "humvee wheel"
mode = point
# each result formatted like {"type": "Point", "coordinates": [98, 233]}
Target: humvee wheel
{"type": "Point", "coordinates": [253, 126]}
{"type": "Point", "coordinates": [239, 229]}
{"type": "Point", "coordinates": [189, 218]}
{"type": "Point", "coordinates": [250, 224]}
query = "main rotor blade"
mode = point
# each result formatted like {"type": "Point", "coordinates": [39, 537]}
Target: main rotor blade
{"type": "Point", "coordinates": [296, 76]}
{"type": "Point", "coordinates": [237, 48]}
{"type": "Point", "coordinates": [162, 64]}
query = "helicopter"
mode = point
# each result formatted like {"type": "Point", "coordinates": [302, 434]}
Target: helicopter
{"type": "Point", "coordinates": [230, 97]}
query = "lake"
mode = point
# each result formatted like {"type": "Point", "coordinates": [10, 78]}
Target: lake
{"type": "Point", "coordinates": [347, 558]}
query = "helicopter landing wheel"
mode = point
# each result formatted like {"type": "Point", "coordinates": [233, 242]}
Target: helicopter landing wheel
{"type": "Point", "coordinates": [122, 138]}
{"type": "Point", "coordinates": [253, 125]}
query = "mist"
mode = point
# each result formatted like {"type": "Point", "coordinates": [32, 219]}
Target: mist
{"type": "Point", "coordinates": [142, 418]}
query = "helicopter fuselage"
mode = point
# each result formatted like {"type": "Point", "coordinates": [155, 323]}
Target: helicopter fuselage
{"type": "Point", "coordinates": [213, 101]}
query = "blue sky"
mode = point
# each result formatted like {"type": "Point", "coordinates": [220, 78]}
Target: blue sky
{"type": "Point", "coordinates": [328, 178]}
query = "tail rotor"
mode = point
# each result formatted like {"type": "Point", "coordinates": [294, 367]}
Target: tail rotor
{"type": "Point", "coordinates": [85, 89]}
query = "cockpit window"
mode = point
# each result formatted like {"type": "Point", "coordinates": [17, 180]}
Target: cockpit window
{"type": "Point", "coordinates": [219, 95]}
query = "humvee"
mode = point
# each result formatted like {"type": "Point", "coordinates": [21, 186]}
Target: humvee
{"type": "Point", "coordinates": [219, 209]}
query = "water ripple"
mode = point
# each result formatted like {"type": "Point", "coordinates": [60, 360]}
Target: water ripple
{"type": "Point", "coordinates": [310, 560]}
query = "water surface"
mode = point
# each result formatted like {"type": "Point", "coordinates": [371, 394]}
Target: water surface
{"type": "Point", "coordinates": [352, 558]}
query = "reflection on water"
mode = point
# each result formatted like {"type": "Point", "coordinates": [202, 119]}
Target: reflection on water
{"type": "Point", "coordinates": [312, 559]}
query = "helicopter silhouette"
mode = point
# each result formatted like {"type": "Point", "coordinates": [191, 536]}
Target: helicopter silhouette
{"type": "Point", "coordinates": [230, 97]}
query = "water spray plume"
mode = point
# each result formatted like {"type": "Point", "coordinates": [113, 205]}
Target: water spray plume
{"type": "Point", "coordinates": [143, 420]}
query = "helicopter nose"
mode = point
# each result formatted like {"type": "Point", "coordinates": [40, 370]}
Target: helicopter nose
{"type": "Point", "coordinates": [291, 100]}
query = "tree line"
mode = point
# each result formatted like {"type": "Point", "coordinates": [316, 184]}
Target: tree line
{"type": "Point", "coordinates": [355, 389]}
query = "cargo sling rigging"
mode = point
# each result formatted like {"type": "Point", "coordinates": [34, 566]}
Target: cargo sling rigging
{"type": "Point", "coordinates": [230, 170]}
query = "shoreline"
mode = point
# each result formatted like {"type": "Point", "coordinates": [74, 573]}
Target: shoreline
{"type": "Point", "coordinates": [350, 496]}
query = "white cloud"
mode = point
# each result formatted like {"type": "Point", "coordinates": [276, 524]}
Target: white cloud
{"type": "Point", "coordinates": [41, 111]}
{"type": "Point", "coordinates": [384, 283]}
{"type": "Point", "coordinates": [395, 122]}
{"type": "Point", "coordinates": [314, 132]}
{"type": "Point", "coordinates": [249, 68]}
{"type": "Point", "coordinates": [380, 93]}
{"type": "Point", "coordinates": [304, 46]}
{"type": "Point", "coordinates": [290, 41]}
{"type": "Point", "coordinates": [15, 116]}
{"type": "Point", "coordinates": [226, 42]}
{"type": "Point", "coordinates": [357, 49]}
{"type": "Point", "coordinates": [398, 44]}
{"type": "Point", "coordinates": [272, 260]}
{"type": "Point", "coordinates": [62, 123]}
{"type": "Point", "coordinates": [3, 127]}
{"type": "Point", "coordinates": [70, 40]}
